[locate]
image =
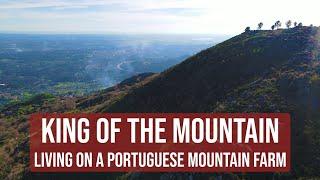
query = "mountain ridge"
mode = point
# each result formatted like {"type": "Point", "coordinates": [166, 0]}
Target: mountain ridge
{"type": "Point", "coordinates": [218, 66]}
{"type": "Point", "coordinates": [256, 71]}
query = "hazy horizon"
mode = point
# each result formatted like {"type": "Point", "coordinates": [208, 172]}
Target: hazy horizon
{"type": "Point", "coordinates": [110, 33]}
{"type": "Point", "coordinates": [228, 17]}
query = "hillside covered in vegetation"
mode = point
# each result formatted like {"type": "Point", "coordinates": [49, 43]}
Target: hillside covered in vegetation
{"type": "Point", "coordinates": [256, 71]}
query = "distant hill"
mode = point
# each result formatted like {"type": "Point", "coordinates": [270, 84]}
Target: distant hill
{"type": "Point", "coordinates": [256, 71]}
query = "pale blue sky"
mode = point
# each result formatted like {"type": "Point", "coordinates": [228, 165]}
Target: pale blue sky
{"type": "Point", "coordinates": [151, 16]}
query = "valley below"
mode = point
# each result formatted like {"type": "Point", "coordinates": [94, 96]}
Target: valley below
{"type": "Point", "coordinates": [73, 65]}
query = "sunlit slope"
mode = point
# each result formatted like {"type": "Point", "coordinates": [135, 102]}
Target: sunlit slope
{"type": "Point", "coordinates": [259, 71]}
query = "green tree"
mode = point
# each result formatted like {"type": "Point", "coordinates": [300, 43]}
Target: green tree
{"type": "Point", "coordinates": [278, 24]}
{"type": "Point", "coordinates": [288, 24]}
{"type": "Point", "coordinates": [260, 25]}
{"type": "Point", "coordinates": [247, 29]}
